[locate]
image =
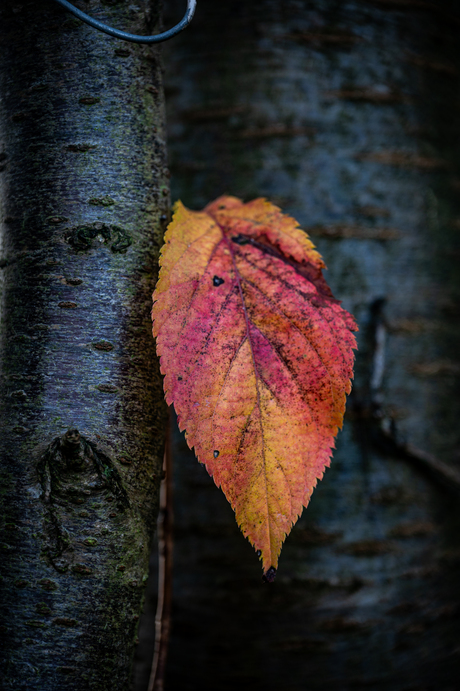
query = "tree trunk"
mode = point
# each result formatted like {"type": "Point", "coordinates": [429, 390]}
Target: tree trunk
{"type": "Point", "coordinates": [84, 195]}
{"type": "Point", "coordinates": [345, 113]}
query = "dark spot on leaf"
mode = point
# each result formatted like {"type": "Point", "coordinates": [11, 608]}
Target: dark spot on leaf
{"type": "Point", "coordinates": [217, 281]}
{"type": "Point", "coordinates": [269, 576]}
{"type": "Point", "coordinates": [240, 240]}
{"type": "Point", "coordinates": [216, 453]}
{"type": "Point", "coordinates": [179, 378]}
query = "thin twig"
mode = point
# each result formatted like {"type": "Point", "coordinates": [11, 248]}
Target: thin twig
{"type": "Point", "coordinates": [165, 554]}
{"type": "Point", "coordinates": [384, 431]}
{"type": "Point", "coordinates": [444, 473]}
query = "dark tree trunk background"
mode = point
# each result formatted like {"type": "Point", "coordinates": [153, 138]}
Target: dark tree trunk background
{"type": "Point", "coordinates": [84, 203]}
{"type": "Point", "coordinates": [346, 114]}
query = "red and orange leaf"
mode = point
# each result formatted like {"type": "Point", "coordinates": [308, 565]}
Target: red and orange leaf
{"type": "Point", "coordinates": [257, 357]}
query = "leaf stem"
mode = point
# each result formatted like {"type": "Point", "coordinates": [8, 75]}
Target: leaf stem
{"type": "Point", "coordinates": [165, 558]}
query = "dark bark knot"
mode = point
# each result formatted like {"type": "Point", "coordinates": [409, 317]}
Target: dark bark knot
{"type": "Point", "coordinates": [75, 474]}
{"type": "Point", "coordinates": [82, 237]}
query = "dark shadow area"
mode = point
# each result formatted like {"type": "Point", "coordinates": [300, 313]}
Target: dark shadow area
{"type": "Point", "coordinates": [345, 114]}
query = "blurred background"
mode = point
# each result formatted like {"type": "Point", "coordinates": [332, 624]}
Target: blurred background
{"type": "Point", "coordinates": [346, 115]}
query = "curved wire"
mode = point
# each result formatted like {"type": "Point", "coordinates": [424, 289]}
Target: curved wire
{"type": "Point", "coordinates": [158, 38]}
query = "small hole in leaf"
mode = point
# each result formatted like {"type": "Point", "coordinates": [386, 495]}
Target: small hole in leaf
{"type": "Point", "coordinates": [216, 453]}
{"type": "Point", "coordinates": [217, 281]}
{"type": "Point", "coordinates": [179, 378]}
{"type": "Point", "coordinates": [240, 240]}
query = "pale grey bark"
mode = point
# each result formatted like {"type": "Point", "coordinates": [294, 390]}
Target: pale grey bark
{"type": "Point", "coordinates": [84, 203]}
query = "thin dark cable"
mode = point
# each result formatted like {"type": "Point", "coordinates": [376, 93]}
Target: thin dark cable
{"type": "Point", "coordinates": [158, 38]}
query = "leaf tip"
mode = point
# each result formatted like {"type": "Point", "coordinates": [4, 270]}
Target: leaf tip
{"type": "Point", "coordinates": [269, 575]}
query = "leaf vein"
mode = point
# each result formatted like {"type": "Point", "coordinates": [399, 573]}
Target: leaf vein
{"type": "Point", "coordinates": [295, 327]}
{"type": "Point", "coordinates": [306, 296]}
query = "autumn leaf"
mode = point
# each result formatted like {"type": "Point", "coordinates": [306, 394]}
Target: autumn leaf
{"type": "Point", "coordinates": [257, 357]}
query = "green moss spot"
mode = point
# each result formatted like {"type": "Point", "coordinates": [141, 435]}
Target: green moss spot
{"type": "Point", "coordinates": [11, 526]}
{"type": "Point", "coordinates": [101, 201]}
{"type": "Point", "coordinates": [47, 584]}
{"type": "Point", "coordinates": [107, 388]}
{"type": "Point", "coordinates": [36, 624]}
{"type": "Point", "coordinates": [42, 608]}
{"type": "Point", "coordinates": [65, 621]}
{"type": "Point", "coordinates": [90, 541]}
{"type": "Point", "coordinates": [82, 569]}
